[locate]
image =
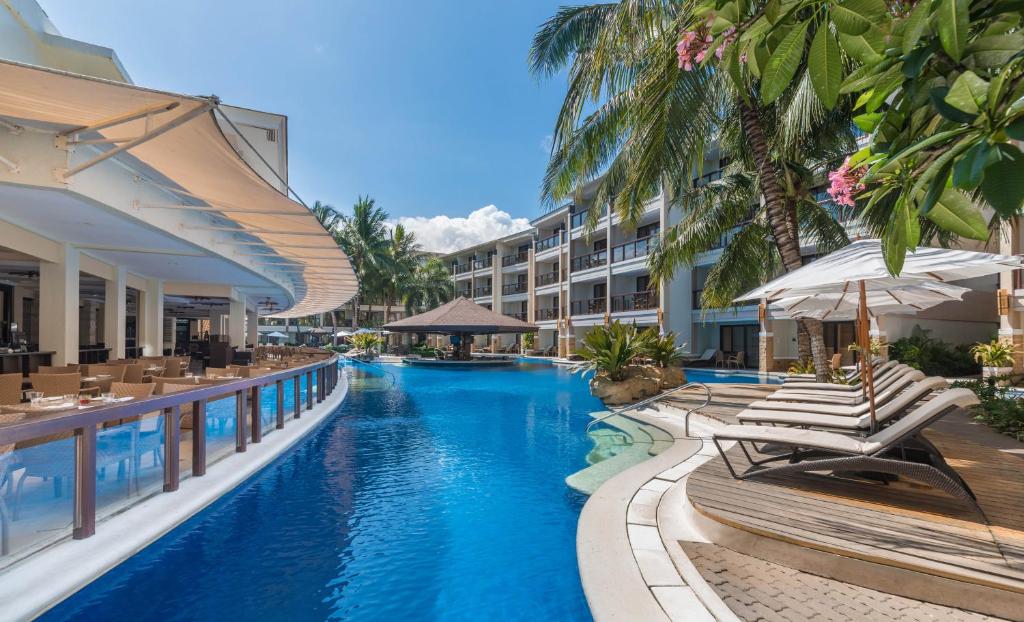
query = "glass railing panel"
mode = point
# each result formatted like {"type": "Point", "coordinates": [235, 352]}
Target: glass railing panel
{"type": "Point", "coordinates": [129, 462]}
{"type": "Point", "coordinates": [37, 480]}
{"type": "Point", "coordinates": [220, 428]}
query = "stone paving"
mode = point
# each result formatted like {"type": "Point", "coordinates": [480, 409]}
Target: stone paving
{"type": "Point", "coordinates": [756, 590]}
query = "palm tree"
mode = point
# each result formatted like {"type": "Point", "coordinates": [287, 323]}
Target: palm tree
{"type": "Point", "coordinates": [365, 239]}
{"type": "Point", "coordinates": [329, 217]}
{"type": "Point", "coordinates": [652, 123]}
{"type": "Point", "coordinates": [429, 287]}
{"type": "Point", "coordinates": [404, 254]}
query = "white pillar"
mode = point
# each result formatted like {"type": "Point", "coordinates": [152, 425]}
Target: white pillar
{"type": "Point", "coordinates": [58, 306]}
{"type": "Point", "coordinates": [236, 322]}
{"type": "Point", "coordinates": [18, 303]}
{"type": "Point", "coordinates": [153, 318]}
{"type": "Point", "coordinates": [252, 320]}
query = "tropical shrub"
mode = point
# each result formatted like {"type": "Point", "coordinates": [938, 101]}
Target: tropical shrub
{"type": "Point", "coordinates": [993, 354]}
{"type": "Point", "coordinates": [528, 340]}
{"type": "Point", "coordinates": [998, 409]}
{"type": "Point", "coordinates": [801, 366]}
{"type": "Point", "coordinates": [609, 349]}
{"type": "Point", "coordinates": [933, 356]}
{"type": "Point", "coordinates": [662, 349]}
{"type": "Point", "coordinates": [367, 341]}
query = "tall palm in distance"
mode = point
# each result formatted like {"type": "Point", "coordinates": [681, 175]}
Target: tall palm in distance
{"type": "Point", "coordinates": [652, 125]}
{"type": "Point", "coordinates": [364, 237]}
{"type": "Point", "coordinates": [430, 286]}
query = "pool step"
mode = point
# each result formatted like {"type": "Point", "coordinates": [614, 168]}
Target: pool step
{"type": "Point", "coordinates": [647, 441]}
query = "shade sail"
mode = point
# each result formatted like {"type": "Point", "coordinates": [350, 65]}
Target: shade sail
{"type": "Point", "coordinates": [905, 300]}
{"type": "Point", "coordinates": [862, 261]}
{"type": "Point", "coordinates": [460, 316]}
{"type": "Point", "coordinates": [179, 137]}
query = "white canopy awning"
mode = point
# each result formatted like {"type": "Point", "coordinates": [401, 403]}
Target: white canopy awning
{"type": "Point", "coordinates": [179, 137]}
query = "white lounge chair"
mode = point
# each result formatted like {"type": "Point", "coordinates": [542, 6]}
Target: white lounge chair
{"type": "Point", "coordinates": [849, 398]}
{"type": "Point", "coordinates": [707, 356]}
{"type": "Point", "coordinates": [855, 381]}
{"type": "Point", "coordinates": [892, 408]}
{"type": "Point", "coordinates": [887, 451]}
{"type": "Point", "coordinates": [833, 408]}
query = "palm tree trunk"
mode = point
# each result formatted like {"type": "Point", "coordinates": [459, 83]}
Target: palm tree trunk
{"type": "Point", "coordinates": [355, 311]}
{"type": "Point", "coordinates": [782, 221]}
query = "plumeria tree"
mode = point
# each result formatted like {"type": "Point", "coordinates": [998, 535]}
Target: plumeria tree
{"type": "Point", "coordinates": [937, 86]}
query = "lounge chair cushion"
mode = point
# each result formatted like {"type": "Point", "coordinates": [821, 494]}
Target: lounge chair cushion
{"type": "Point", "coordinates": [839, 409]}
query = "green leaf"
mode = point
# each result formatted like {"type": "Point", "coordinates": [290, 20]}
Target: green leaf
{"type": "Point", "coordinates": [887, 83]}
{"type": "Point", "coordinates": [937, 186]}
{"type": "Point", "coordinates": [938, 98]}
{"type": "Point", "coordinates": [939, 166]}
{"type": "Point", "coordinates": [955, 213]}
{"type": "Point", "coordinates": [952, 21]}
{"type": "Point", "coordinates": [968, 94]}
{"type": "Point", "coordinates": [855, 17]}
{"type": "Point", "coordinates": [994, 50]}
{"type": "Point", "coordinates": [916, 23]}
{"type": "Point", "coordinates": [782, 65]}
{"type": "Point", "coordinates": [970, 167]}
{"type": "Point", "coordinates": [867, 47]}
{"type": "Point", "coordinates": [914, 62]}
{"type": "Point", "coordinates": [825, 64]}
{"type": "Point", "coordinates": [925, 143]}
{"type": "Point", "coordinates": [733, 67]}
{"type": "Point", "coordinates": [1015, 130]}
{"type": "Point", "coordinates": [868, 122]}
{"type": "Point", "coordinates": [864, 77]}
{"type": "Point", "coordinates": [1003, 186]}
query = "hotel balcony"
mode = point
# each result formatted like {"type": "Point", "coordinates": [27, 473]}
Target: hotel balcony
{"type": "Point", "coordinates": [483, 291]}
{"type": "Point", "coordinates": [546, 315]}
{"type": "Point", "coordinates": [549, 279]}
{"type": "Point", "coordinates": [636, 301]}
{"type": "Point", "coordinates": [634, 249]}
{"type": "Point", "coordinates": [511, 289]}
{"type": "Point", "coordinates": [549, 245]}
{"type": "Point", "coordinates": [590, 261]}
{"type": "Point", "coordinates": [519, 260]}
{"type": "Point", "coordinates": [482, 264]}
{"type": "Point", "coordinates": [579, 219]}
{"type": "Point", "coordinates": [461, 269]}
{"type": "Point", "coordinates": [519, 315]}
{"type": "Point", "coordinates": [465, 293]}
{"type": "Point", "coordinates": [591, 306]}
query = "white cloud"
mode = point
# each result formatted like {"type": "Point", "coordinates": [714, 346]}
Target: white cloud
{"type": "Point", "coordinates": [445, 234]}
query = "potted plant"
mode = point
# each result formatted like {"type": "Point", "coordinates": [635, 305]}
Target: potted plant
{"type": "Point", "coordinates": [996, 358]}
{"type": "Point", "coordinates": [527, 345]}
{"type": "Point", "coordinates": [609, 352]}
{"type": "Point", "coordinates": [666, 356]}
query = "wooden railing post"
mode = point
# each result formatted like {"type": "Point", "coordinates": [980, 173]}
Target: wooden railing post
{"type": "Point", "coordinates": [85, 482]}
{"type": "Point", "coordinates": [254, 415]}
{"type": "Point", "coordinates": [240, 439]}
{"type": "Point", "coordinates": [309, 390]}
{"type": "Point", "coordinates": [319, 384]}
{"type": "Point", "coordinates": [198, 438]}
{"type": "Point", "coordinates": [172, 447]}
{"type": "Point", "coordinates": [297, 396]}
{"type": "Point", "coordinates": [279, 386]}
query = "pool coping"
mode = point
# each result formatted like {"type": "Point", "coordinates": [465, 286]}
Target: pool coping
{"type": "Point", "coordinates": [31, 587]}
{"type": "Point", "coordinates": [628, 569]}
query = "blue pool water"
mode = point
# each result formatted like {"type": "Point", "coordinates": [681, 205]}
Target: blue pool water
{"type": "Point", "coordinates": [708, 375]}
{"type": "Point", "coordinates": [440, 496]}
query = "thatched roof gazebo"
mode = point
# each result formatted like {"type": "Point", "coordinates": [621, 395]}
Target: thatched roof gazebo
{"type": "Point", "coordinates": [461, 317]}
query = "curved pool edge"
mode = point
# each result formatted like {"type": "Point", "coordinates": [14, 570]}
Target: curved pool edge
{"type": "Point", "coordinates": [31, 587]}
{"type": "Point", "coordinates": [610, 536]}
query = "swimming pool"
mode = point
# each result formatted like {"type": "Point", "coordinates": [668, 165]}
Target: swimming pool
{"type": "Point", "coordinates": [711, 375]}
{"type": "Point", "coordinates": [438, 496]}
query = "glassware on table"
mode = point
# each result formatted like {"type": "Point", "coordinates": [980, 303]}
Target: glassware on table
{"type": "Point", "coordinates": [34, 397]}
{"type": "Point", "coordinates": [71, 397]}
{"type": "Point", "coordinates": [108, 397]}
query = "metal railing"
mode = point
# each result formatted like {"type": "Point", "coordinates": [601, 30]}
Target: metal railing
{"type": "Point", "coordinates": [82, 426]}
{"type": "Point", "coordinates": [514, 288]}
{"type": "Point", "coordinates": [593, 260]}
{"type": "Point", "coordinates": [519, 315]}
{"type": "Point", "coordinates": [548, 242]}
{"type": "Point", "coordinates": [546, 314]}
{"type": "Point", "coordinates": [637, 301]}
{"type": "Point", "coordinates": [590, 306]}
{"type": "Point", "coordinates": [645, 402]}
{"type": "Point", "coordinates": [480, 264]}
{"type": "Point", "coordinates": [512, 260]}
{"type": "Point", "coordinates": [460, 268]}
{"type": "Point", "coordinates": [375, 367]}
{"type": "Point", "coordinates": [482, 291]}
{"type": "Point", "coordinates": [634, 249]}
{"type": "Point", "coordinates": [548, 278]}
{"type": "Point", "coordinates": [465, 293]}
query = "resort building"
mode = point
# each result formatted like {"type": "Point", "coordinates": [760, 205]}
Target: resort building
{"type": "Point", "coordinates": [139, 222]}
{"type": "Point", "coordinates": [567, 281]}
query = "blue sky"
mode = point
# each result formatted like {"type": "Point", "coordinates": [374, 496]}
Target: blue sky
{"type": "Point", "coordinates": [426, 106]}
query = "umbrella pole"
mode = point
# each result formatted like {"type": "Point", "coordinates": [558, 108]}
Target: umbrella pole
{"type": "Point", "coordinates": [867, 370]}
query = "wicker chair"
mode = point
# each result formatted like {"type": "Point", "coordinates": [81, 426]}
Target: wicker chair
{"type": "Point", "coordinates": [165, 387]}
{"type": "Point", "coordinates": [62, 369]}
{"type": "Point", "coordinates": [7, 460]}
{"type": "Point", "coordinates": [135, 374]}
{"type": "Point", "coordinates": [10, 388]}
{"type": "Point", "coordinates": [116, 373]}
{"type": "Point", "coordinates": [53, 385]}
{"type": "Point", "coordinates": [173, 368]}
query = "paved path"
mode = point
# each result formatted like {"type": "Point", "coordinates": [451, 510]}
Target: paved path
{"type": "Point", "coordinates": [757, 590]}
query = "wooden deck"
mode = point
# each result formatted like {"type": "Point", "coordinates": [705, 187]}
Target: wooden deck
{"type": "Point", "coordinates": [902, 525]}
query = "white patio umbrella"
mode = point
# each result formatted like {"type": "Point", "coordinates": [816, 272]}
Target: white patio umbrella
{"type": "Point", "coordinates": [906, 299]}
{"type": "Point", "coordinates": [860, 267]}
{"type": "Point", "coordinates": [276, 335]}
{"type": "Point", "coordinates": [343, 333]}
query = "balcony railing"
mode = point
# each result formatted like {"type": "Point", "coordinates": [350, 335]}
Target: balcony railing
{"type": "Point", "coordinates": [84, 440]}
{"type": "Point", "coordinates": [465, 293]}
{"type": "Point", "coordinates": [480, 264]}
{"type": "Point", "coordinates": [632, 250]}
{"type": "Point", "coordinates": [482, 291]}
{"type": "Point", "coordinates": [588, 307]}
{"type": "Point", "coordinates": [593, 260]}
{"type": "Point", "coordinates": [707, 179]}
{"type": "Point", "coordinates": [512, 260]}
{"type": "Point", "coordinates": [637, 301]}
{"type": "Point", "coordinates": [548, 278]}
{"type": "Point", "coordinates": [513, 288]}
{"type": "Point", "coordinates": [459, 269]}
{"type": "Point", "coordinates": [549, 242]}
{"type": "Point", "coordinates": [546, 314]}
{"type": "Point", "coordinates": [519, 315]}
{"type": "Point", "coordinates": [697, 294]}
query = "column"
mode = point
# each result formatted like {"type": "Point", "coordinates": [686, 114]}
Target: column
{"type": "Point", "coordinates": [497, 288]}
{"type": "Point", "coordinates": [58, 306]}
{"type": "Point", "coordinates": [152, 315]}
{"type": "Point", "coordinates": [1011, 322]}
{"type": "Point", "coordinates": [115, 310]}
{"type": "Point", "coordinates": [236, 322]}
{"type": "Point", "coordinates": [766, 341]}
{"type": "Point", "coordinates": [252, 327]}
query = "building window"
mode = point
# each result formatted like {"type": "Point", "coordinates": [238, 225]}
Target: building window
{"type": "Point", "coordinates": [600, 245]}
